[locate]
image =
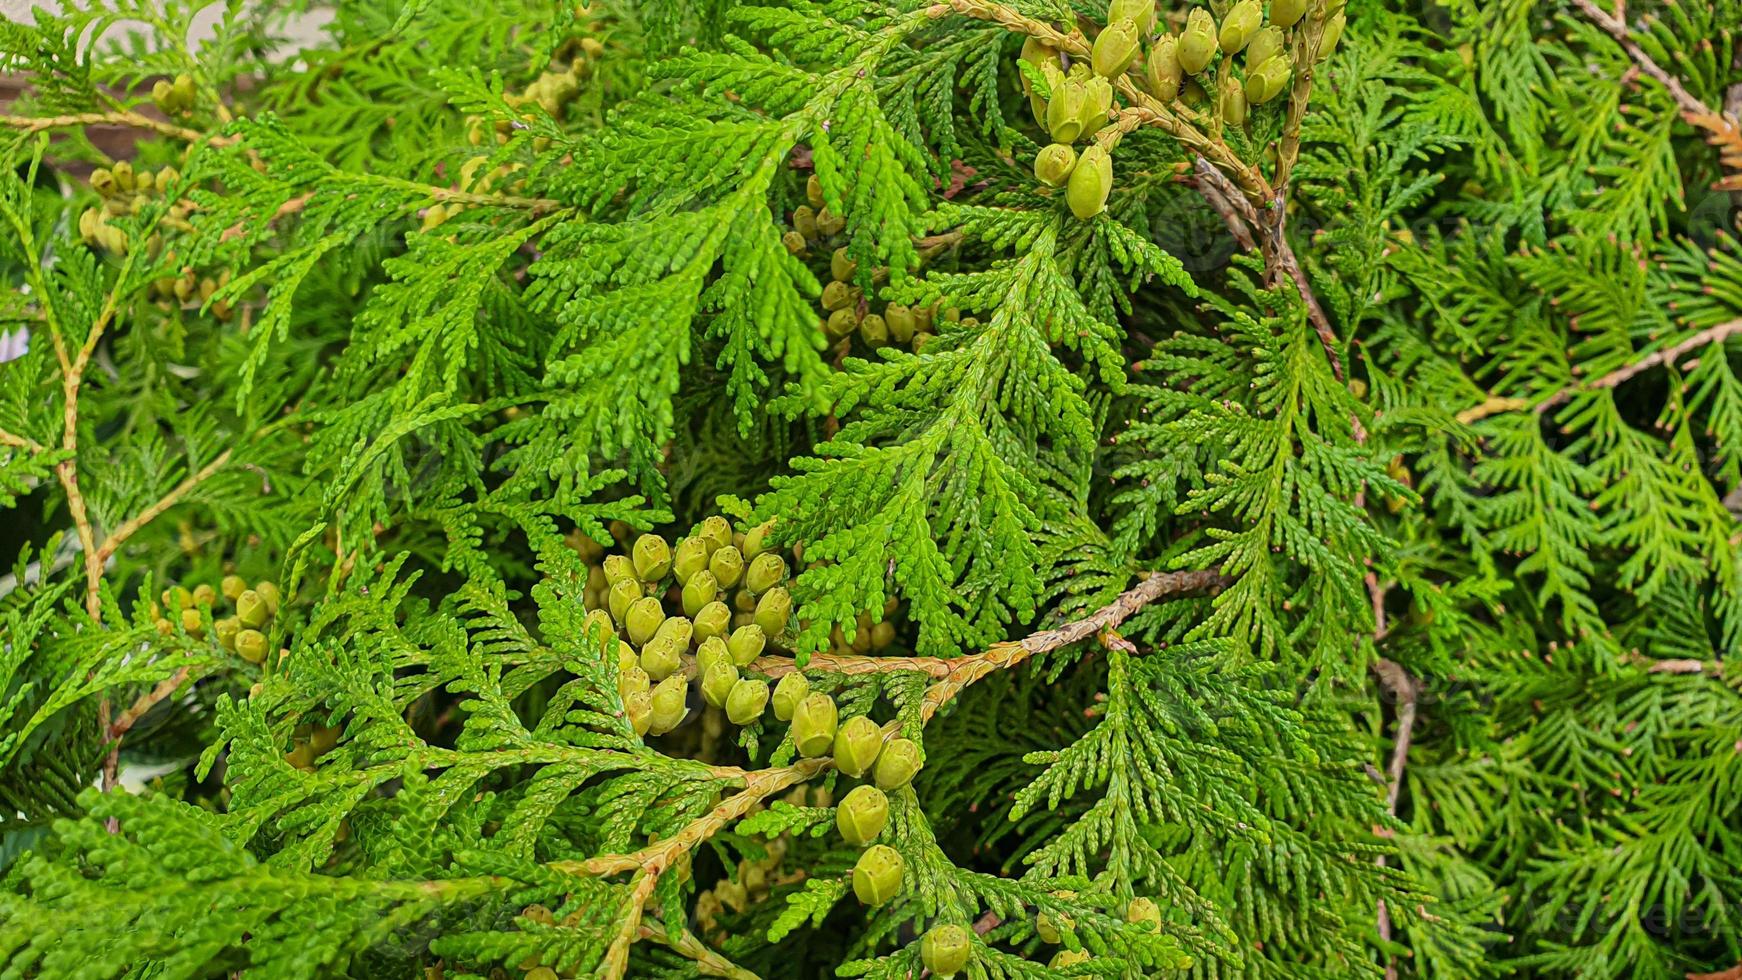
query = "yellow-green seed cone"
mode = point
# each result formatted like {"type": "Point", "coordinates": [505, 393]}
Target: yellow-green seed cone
{"type": "Point", "coordinates": [700, 590]}
{"type": "Point", "coordinates": [727, 566]}
{"type": "Point", "coordinates": [789, 694]}
{"type": "Point", "coordinates": [1097, 102]}
{"type": "Point", "coordinates": [632, 680]}
{"type": "Point", "coordinates": [1240, 24]}
{"type": "Point", "coordinates": [251, 645]}
{"type": "Point", "coordinates": [677, 630]}
{"type": "Point", "coordinates": [856, 745]}
{"type": "Point", "coordinates": [1052, 165]}
{"type": "Point", "coordinates": [1333, 34]}
{"type": "Point", "coordinates": [668, 704]}
{"type": "Point", "coordinates": [945, 949]}
{"type": "Point", "coordinates": [897, 764]}
{"type": "Point", "coordinates": [638, 706]}
{"type": "Point", "coordinates": [878, 875]}
{"type": "Point", "coordinates": [619, 568]}
{"type": "Point", "coordinates": [1163, 70]}
{"type": "Point", "coordinates": [652, 558]}
{"type": "Point", "coordinates": [716, 531]}
{"type": "Point", "coordinates": [766, 571]}
{"type": "Point", "coordinates": [1268, 80]}
{"type": "Point", "coordinates": [1090, 183]}
{"type": "Point", "coordinates": [1233, 102]}
{"type": "Point", "coordinates": [773, 611]}
{"type": "Point", "coordinates": [756, 539]}
{"type": "Point", "coordinates": [251, 609]}
{"type": "Point", "coordinates": [1266, 44]}
{"type": "Point", "coordinates": [690, 557]}
{"type": "Point", "coordinates": [1285, 13]}
{"type": "Point", "coordinates": [643, 619]}
{"type": "Point", "coordinates": [862, 815]}
{"type": "Point", "coordinates": [712, 620]}
{"type": "Point", "coordinates": [746, 644]}
{"type": "Point", "coordinates": [622, 595]}
{"type": "Point", "coordinates": [718, 682]}
{"type": "Point", "coordinates": [1197, 46]}
{"type": "Point", "coordinates": [1067, 957]}
{"type": "Point", "coordinates": [747, 700]}
{"type": "Point", "coordinates": [1144, 911]}
{"type": "Point", "coordinates": [660, 659]}
{"type": "Point", "coordinates": [1064, 113]}
{"type": "Point", "coordinates": [813, 725]}
{"type": "Point", "coordinates": [1115, 47]}
{"type": "Point", "coordinates": [1140, 11]}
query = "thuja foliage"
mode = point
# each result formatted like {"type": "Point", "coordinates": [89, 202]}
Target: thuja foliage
{"type": "Point", "coordinates": [806, 487]}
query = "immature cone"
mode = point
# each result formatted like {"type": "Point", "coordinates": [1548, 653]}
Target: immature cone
{"type": "Point", "coordinates": [634, 679]}
{"type": "Point", "coordinates": [1097, 101]}
{"type": "Point", "coordinates": [712, 651]}
{"type": "Point", "coordinates": [1114, 48]}
{"type": "Point", "coordinates": [1144, 910]}
{"type": "Point", "coordinates": [756, 540]}
{"type": "Point", "coordinates": [676, 630]}
{"type": "Point", "coordinates": [660, 659]}
{"type": "Point", "coordinates": [773, 610]}
{"type": "Point", "coordinates": [1067, 957]}
{"type": "Point", "coordinates": [842, 266]}
{"type": "Point", "coordinates": [622, 595]}
{"type": "Point", "coordinates": [652, 558]}
{"type": "Point", "coordinates": [1091, 181]}
{"type": "Point", "coordinates": [205, 595]}
{"type": "Point", "coordinates": [251, 646]}
{"type": "Point", "coordinates": [813, 725]}
{"type": "Point", "coordinates": [718, 682]}
{"type": "Point", "coordinates": [668, 704]}
{"type": "Point", "coordinates": [1333, 34]}
{"type": "Point", "coordinates": [712, 620]}
{"type": "Point", "coordinates": [856, 745]}
{"type": "Point", "coordinates": [862, 815]}
{"type": "Point", "coordinates": [643, 619]}
{"type": "Point", "coordinates": [1233, 102]}
{"type": "Point", "coordinates": [789, 693]}
{"type": "Point", "coordinates": [727, 567]}
{"type": "Point", "coordinates": [766, 571]}
{"type": "Point", "coordinates": [1049, 928]}
{"type": "Point", "coordinates": [1268, 80]}
{"type": "Point", "coordinates": [897, 764]}
{"type": "Point", "coordinates": [1285, 13]}
{"type": "Point", "coordinates": [269, 592]}
{"type": "Point", "coordinates": [1239, 25]}
{"type": "Point", "coordinates": [639, 707]}
{"type": "Point", "coordinates": [813, 190]}
{"type": "Point", "coordinates": [900, 321]}
{"type": "Point", "coordinates": [1264, 45]}
{"type": "Point", "coordinates": [804, 221]}
{"type": "Point", "coordinates": [877, 876]}
{"type": "Point", "coordinates": [1064, 114]}
{"type": "Point", "coordinates": [1197, 45]}
{"type": "Point", "coordinates": [746, 643]}
{"type": "Point", "coordinates": [1052, 165]}
{"type": "Point", "coordinates": [191, 621]}
{"type": "Point", "coordinates": [688, 559]}
{"type": "Point", "coordinates": [619, 568]}
{"type": "Point", "coordinates": [837, 295]}
{"type": "Point", "coordinates": [841, 323]}
{"type": "Point", "coordinates": [716, 531]}
{"type": "Point", "coordinates": [1140, 11]}
{"type": "Point", "coordinates": [226, 631]}
{"type": "Point", "coordinates": [744, 705]}
{"type": "Point", "coordinates": [944, 949]}
{"type": "Point", "coordinates": [597, 624]}
{"type": "Point", "coordinates": [1163, 71]}
{"type": "Point", "coordinates": [251, 609]}
{"type": "Point", "coordinates": [700, 590]}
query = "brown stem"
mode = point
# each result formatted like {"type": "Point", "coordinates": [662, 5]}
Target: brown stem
{"type": "Point", "coordinates": [20, 442]}
{"type": "Point", "coordinates": [1666, 355]}
{"type": "Point", "coordinates": [1011, 652]}
{"type": "Point", "coordinates": [146, 702]}
{"type": "Point", "coordinates": [119, 117]}
{"type": "Point", "coordinates": [114, 541]}
{"type": "Point", "coordinates": [1406, 689]}
{"type": "Point", "coordinates": [1733, 973]}
{"type": "Point", "coordinates": [708, 962]}
{"type": "Point", "coordinates": [1226, 200]}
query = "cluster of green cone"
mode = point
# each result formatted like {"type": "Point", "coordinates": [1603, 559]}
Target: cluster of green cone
{"type": "Point", "coordinates": [174, 97]}
{"type": "Point", "coordinates": [1080, 96]}
{"type": "Point", "coordinates": [243, 633]}
{"type": "Point", "coordinates": [124, 191]}
{"type": "Point", "coordinates": [1051, 929]}
{"type": "Point", "coordinates": [846, 310]}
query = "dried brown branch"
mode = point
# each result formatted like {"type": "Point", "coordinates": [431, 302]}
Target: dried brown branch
{"type": "Point", "coordinates": [1733, 973]}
